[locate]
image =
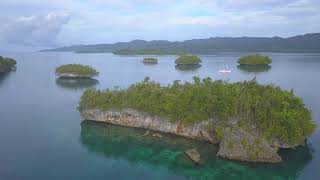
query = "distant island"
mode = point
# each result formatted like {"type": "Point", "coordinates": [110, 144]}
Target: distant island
{"type": "Point", "coordinates": [249, 121]}
{"type": "Point", "coordinates": [150, 61]}
{"type": "Point", "coordinates": [307, 43]}
{"type": "Point", "coordinates": [255, 60]}
{"type": "Point", "coordinates": [254, 63]}
{"type": "Point", "coordinates": [76, 71]}
{"type": "Point", "coordinates": [188, 60]}
{"type": "Point", "coordinates": [7, 64]}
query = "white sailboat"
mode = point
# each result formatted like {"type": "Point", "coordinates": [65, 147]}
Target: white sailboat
{"type": "Point", "coordinates": [225, 70]}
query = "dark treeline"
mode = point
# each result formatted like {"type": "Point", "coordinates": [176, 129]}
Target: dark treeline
{"type": "Point", "coordinates": [308, 43]}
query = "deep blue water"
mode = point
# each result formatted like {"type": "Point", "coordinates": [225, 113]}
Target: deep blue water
{"type": "Point", "coordinates": [42, 135]}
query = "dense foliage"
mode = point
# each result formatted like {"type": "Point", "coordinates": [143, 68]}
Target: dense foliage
{"type": "Point", "coordinates": [6, 64]}
{"type": "Point", "coordinates": [77, 69]}
{"type": "Point", "coordinates": [256, 59]}
{"type": "Point", "coordinates": [188, 59]}
{"type": "Point", "coordinates": [150, 61]}
{"type": "Point", "coordinates": [301, 43]}
{"type": "Point", "coordinates": [277, 113]}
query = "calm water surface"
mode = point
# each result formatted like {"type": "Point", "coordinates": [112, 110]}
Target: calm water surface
{"type": "Point", "coordinates": [42, 135]}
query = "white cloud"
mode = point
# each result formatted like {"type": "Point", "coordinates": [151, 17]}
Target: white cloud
{"type": "Point", "coordinates": [34, 30]}
{"type": "Point", "coordinates": [107, 21]}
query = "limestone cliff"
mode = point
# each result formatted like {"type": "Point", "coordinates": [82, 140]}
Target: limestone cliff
{"type": "Point", "coordinates": [235, 144]}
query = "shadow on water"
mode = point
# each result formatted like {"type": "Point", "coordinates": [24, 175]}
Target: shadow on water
{"type": "Point", "coordinates": [4, 76]}
{"type": "Point", "coordinates": [130, 145]}
{"type": "Point", "coordinates": [192, 67]}
{"type": "Point", "coordinates": [254, 69]}
{"type": "Point", "coordinates": [149, 64]}
{"type": "Point", "coordinates": [76, 83]}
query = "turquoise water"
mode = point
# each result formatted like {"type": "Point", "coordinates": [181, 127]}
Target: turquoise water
{"type": "Point", "coordinates": [42, 136]}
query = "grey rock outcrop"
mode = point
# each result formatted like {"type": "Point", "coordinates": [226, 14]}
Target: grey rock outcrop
{"type": "Point", "coordinates": [235, 144]}
{"type": "Point", "coordinates": [132, 118]}
{"type": "Point", "coordinates": [240, 145]}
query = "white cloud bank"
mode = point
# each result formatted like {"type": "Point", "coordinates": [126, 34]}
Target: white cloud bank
{"type": "Point", "coordinates": [66, 22]}
{"type": "Point", "coordinates": [34, 30]}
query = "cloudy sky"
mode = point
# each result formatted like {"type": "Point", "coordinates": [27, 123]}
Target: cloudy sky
{"type": "Point", "coordinates": [35, 24]}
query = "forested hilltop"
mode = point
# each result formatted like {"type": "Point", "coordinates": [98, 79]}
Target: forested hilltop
{"type": "Point", "coordinates": [278, 114]}
{"type": "Point", "coordinates": [250, 121]}
{"type": "Point", "coordinates": [308, 43]}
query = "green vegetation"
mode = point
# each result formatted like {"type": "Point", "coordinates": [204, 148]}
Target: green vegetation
{"type": "Point", "coordinates": [145, 52]}
{"type": "Point", "coordinates": [6, 64]}
{"type": "Point", "coordinates": [188, 60]}
{"type": "Point", "coordinates": [255, 60]}
{"type": "Point", "coordinates": [278, 114]}
{"type": "Point", "coordinates": [254, 69]}
{"type": "Point", "coordinates": [219, 133]}
{"type": "Point", "coordinates": [76, 69]}
{"type": "Point", "coordinates": [150, 61]}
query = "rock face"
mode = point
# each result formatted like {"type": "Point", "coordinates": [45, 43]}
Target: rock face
{"type": "Point", "coordinates": [236, 143]}
{"type": "Point", "coordinates": [132, 118]}
{"type": "Point", "coordinates": [243, 146]}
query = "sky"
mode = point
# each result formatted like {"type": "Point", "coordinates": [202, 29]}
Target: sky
{"type": "Point", "coordinates": [37, 24]}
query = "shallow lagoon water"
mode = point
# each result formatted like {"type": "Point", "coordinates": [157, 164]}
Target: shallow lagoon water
{"type": "Point", "coordinates": [42, 135]}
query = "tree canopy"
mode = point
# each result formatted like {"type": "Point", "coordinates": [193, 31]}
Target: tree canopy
{"type": "Point", "coordinates": [255, 59]}
{"type": "Point", "coordinates": [77, 69]}
{"type": "Point", "coordinates": [188, 60]}
{"type": "Point", "coordinates": [150, 60]}
{"type": "Point", "coordinates": [278, 114]}
{"type": "Point", "coordinates": [6, 64]}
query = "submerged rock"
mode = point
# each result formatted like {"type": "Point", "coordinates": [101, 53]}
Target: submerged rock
{"type": "Point", "coordinates": [108, 141]}
{"type": "Point", "coordinates": [146, 133]}
{"type": "Point", "coordinates": [193, 155]}
{"type": "Point", "coordinates": [157, 135]}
